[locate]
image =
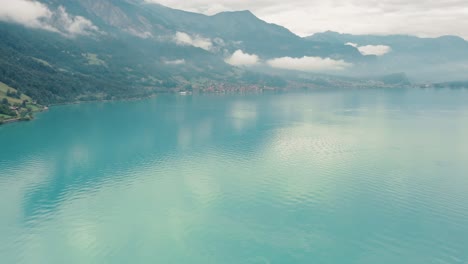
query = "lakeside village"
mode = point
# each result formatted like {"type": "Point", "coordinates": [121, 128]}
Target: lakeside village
{"type": "Point", "coordinates": [290, 86]}
{"type": "Point", "coordinates": [15, 106]}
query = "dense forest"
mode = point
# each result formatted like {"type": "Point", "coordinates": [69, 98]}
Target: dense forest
{"type": "Point", "coordinates": [52, 69]}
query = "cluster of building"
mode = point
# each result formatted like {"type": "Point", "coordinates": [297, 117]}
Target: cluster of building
{"type": "Point", "coordinates": [228, 88]}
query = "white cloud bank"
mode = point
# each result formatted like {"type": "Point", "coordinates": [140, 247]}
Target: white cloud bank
{"type": "Point", "coordinates": [305, 64]}
{"type": "Point", "coordinates": [139, 34]}
{"type": "Point", "coordinates": [377, 50]}
{"type": "Point", "coordinates": [174, 62]}
{"type": "Point", "coordinates": [239, 58]}
{"type": "Point", "coordinates": [27, 13]}
{"type": "Point", "coordinates": [34, 14]}
{"type": "Point", "coordinates": [73, 25]}
{"type": "Point", "coordinates": [352, 44]}
{"type": "Point", "coordinates": [308, 64]}
{"type": "Point", "coordinates": [184, 39]}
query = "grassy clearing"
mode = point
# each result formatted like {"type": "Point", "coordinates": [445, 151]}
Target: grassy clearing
{"type": "Point", "coordinates": [2, 116]}
{"type": "Point", "coordinates": [35, 108]}
{"type": "Point", "coordinates": [3, 94]}
{"type": "Point", "coordinates": [94, 60]}
{"type": "Point", "coordinates": [43, 62]}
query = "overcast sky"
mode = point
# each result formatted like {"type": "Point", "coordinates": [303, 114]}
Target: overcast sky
{"type": "Point", "coordinates": [305, 17]}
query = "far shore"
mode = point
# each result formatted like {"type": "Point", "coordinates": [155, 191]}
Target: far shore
{"type": "Point", "coordinates": [46, 108]}
{"type": "Point", "coordinates": [98, 100]}
{"type": "Point", "coordinates": [104, 100]}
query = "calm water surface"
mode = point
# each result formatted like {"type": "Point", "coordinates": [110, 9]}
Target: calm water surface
{"type": "Point", "coordinates": [368, 176]}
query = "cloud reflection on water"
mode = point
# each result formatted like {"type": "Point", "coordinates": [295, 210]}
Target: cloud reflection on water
{"type": "Point", "coordinates": [244, 177]}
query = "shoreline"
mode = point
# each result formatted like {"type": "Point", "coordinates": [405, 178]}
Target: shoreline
{"type": "Point", "coordinates": [21, 119]}
{"type": "Point", "coordinates": [46, 108]}
{"type": "Point", "coordinates": [9, 121]}
{"type": "Point", "coordinates": [104, 101]}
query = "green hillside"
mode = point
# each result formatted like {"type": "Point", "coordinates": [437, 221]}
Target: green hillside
{"type": "Point", "coordinates": [5, 89]}
{"type": "Point", "coordinates": [23, 106]}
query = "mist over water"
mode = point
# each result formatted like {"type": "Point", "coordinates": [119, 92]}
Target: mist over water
{"type": "Point", "coordinates": [343, 176]}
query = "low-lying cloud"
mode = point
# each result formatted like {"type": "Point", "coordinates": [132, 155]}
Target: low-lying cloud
{"type": "Point", "coordinates": [308, 64]}
{"type": "Point", "coordinates": [174, 62]}
{"type": "Point", "coordinates": [305, 64]}
{"type": "Point", "coordinates": [139, 34]}
{"type": "Point", "coordinates": [73, 25]}
{"type": "Point", "coordinates": [34, 14]}
{"type": "Point", "coordinates": [239, 58]}
{"type": "Point", "coordinates": [377, 50]}
{"type": "Point", "coordinates": [184, 39]}
{"type": "Point", "coordinates": [27, 13]}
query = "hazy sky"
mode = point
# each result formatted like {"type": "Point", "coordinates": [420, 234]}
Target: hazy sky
{"type": "Point", "coordinates": [304, 17]}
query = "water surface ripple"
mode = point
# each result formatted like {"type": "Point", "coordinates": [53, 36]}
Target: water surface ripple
{"type": "Point", "coordinates": [345, 176]}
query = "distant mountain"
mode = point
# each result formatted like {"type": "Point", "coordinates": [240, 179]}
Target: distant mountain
{"type": "Point", "coordinates": [424, 59]}
{"type": "Point", "coordinates": [230, 30]}
{"type": "Point", "coordinates": [120, 48]}
{"type": "Point", "coordinates": [103, 49]}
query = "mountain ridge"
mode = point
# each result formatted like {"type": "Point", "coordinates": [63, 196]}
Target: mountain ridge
{"type": "Point", "coordinates": [133, 48]}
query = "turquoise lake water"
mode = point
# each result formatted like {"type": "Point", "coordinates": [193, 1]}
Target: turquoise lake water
{"type": "Point", "coordinates": [342, 176]}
